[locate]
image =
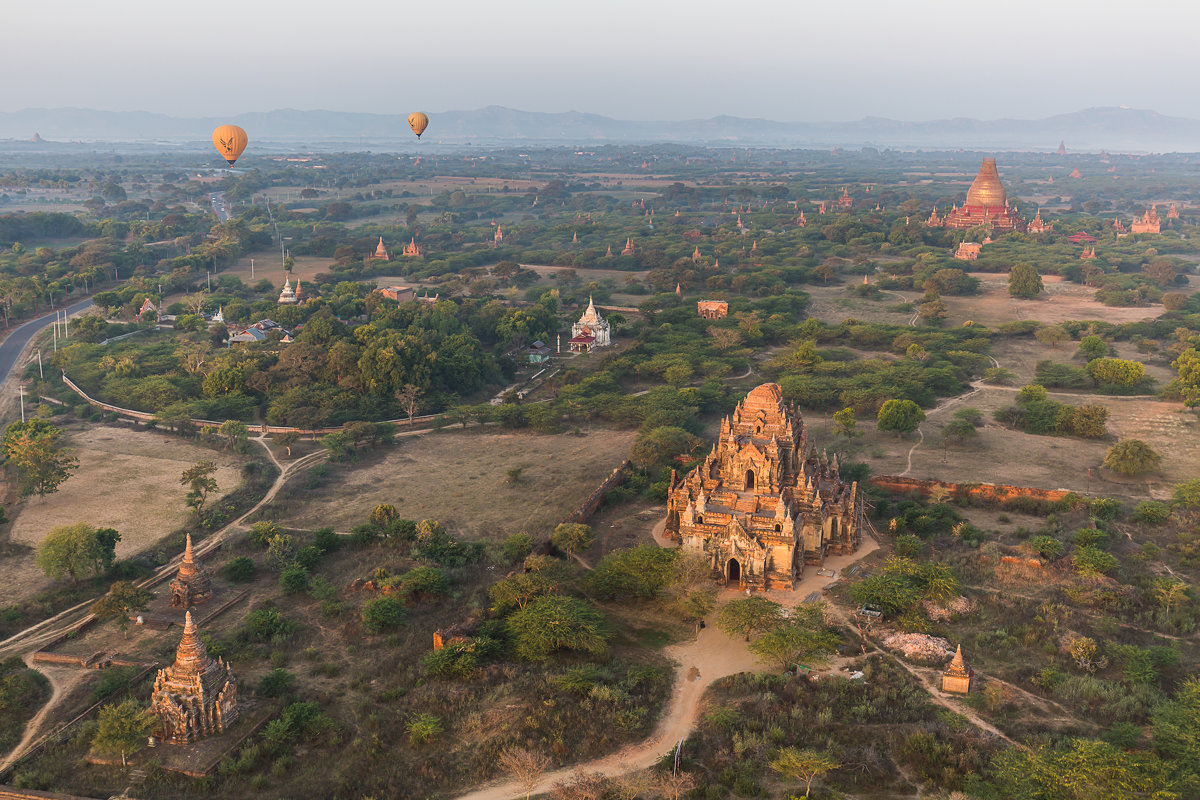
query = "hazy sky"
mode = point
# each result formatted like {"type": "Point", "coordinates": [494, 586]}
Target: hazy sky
{"type": "Point", "coordinates": [637, 59]}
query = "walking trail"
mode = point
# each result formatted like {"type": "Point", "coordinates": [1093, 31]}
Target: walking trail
{"type": "Point", "coordinates": [699, 663]}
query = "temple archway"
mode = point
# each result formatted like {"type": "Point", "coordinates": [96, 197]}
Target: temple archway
{"type": "Point", "coordinates": [734, 572]}
{"type": "Point", "coordinates": [749, 479]}
{"type": "Point", "coordinates": [833, 529]}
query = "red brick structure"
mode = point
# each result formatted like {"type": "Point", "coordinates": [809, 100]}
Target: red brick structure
{"type": "Point", "coordinates": [1149, 222]}
{"type": "Point", "coordinates": [987, 204]}
{"type": "Point", "coordinates": [196, 696]}
{"type": "Point", "coordinates": [1036, 225]}
{"type": "Point", "coordinates": [192, 586]}
{"type": "Point", "coordinates": [968, 251]}
{"type": "Point", "coordinates": [761, 506]}
{"type": "Point", "coordinates": [712, 309]}
{"type": "Point", "coordinates": [957, 677]}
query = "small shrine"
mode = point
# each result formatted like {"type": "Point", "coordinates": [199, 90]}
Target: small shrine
{"type": "Point", "coordinates": [590, 332]}
{"type": "Point", "coordinates": [1075, 173]}
{"type": "Point", "coordinates": [192, 586]}
{"type": "Point", "coordinates": [498, 237]}
{"type": "Point", "coordinates": [934, 220]}
{"type": "Point", "coordinates": [288, 296]}
{"type": "Point", "coordinates": [1037, 225]}
{"type": "Point", "coordinates": [1088, 253]}
{"type": "Point", "coordinates": [968, 251]}
{"type": "Point", "coordinates": [196, 696]}
{"type": "Point", "coordinates": [629, 249]}
{"type": "Point", "coordinates": [381, 251]}
{"type": "Point", "coordinates": [696, 252]}
{"type": "Point", "coordinates": [1173, 212]}
{"type": "Point", "coordinates": [956, 679]}
{"type": "Point", "coordinates": [412, 248]}
{"type": "Point", "coordinates": [1149, 222]}
{"type": "Point", "coordinates": [712, 309]}
{"type": "Point", "coordinates": [845, 202]}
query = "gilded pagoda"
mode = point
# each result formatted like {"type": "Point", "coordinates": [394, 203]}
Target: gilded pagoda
{"type": "Point", "coordinates": [987, 204]}
{"type": "Point", "coordinates": [762, 505]}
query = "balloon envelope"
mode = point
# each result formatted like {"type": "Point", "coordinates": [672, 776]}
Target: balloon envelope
{"type": "Point", "coordinates": [230, 141]}
{"type": "Point", "coordinates": [418, 122]}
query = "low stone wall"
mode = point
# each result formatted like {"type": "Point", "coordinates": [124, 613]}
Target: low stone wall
{"type": "Point", "coordinates": [11, 793]}
{"type": "Point", "coordinates": [980, 491]}
{"type": "Point", "coordinates": [589, 506]}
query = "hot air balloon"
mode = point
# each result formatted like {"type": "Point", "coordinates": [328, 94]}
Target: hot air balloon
{"type": "Point", "coordinates": [230, 141]}
{"type": "Point", "coordinates": [418, 122]}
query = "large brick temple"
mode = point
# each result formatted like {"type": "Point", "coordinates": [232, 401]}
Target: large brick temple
{"type": "Point", "coordinates": [987, 204]}
{"type": "Point", "coordinates": [197, 695]}
{"type": "Point", "coordinates": [762, 505]}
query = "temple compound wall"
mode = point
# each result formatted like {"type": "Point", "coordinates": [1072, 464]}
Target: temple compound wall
{"type": "Point", "coordinates": [763, 505]}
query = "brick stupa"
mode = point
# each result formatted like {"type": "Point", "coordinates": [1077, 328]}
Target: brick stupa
{"type": "Point", "coordinates": [192, 586]}
{"type": "Point", "coordinates": [957, 677]}
{"type": "Point", "coordinates": [196, 696]}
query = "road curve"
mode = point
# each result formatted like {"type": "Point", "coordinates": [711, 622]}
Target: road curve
{"type": "Point", "coordinates": [11, 348]}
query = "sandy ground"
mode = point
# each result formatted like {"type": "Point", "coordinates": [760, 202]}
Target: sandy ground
{"type": "Point", "coordinates": [460, 478]}
{"type": "Point", "coordinates": [128, 480]}
{"type": "Point", "coordinates": [1061, 301]}
{"type": "Point", "coordinates": [712, 655]}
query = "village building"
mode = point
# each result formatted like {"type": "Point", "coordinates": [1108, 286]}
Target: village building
{"type": "Point", "coordinates": [192, 586]}
{"type": "Point", "coordinates": [381, 252]}
{"type": "Point", "coordinates": [147, 308]}
{"type": "Point", "coordinates": [258, 332]}
{"type": "Point", "coordinates": [590, 332]}
{"type": "Point", "coordinates": [987, 203]}
{"type": "Point", "coordinates": [538, 352]}
{"type": "Point", "coordinates": [762, 505]}
{"type": "Point", "coordinates": [1149, 222]}
{"type": "Point", "coordinates": [401, 294]}
{"type": "Point", "coordinates": [957, 677]}
{"type": "Point", "coordinates": [968, 251]}
{"type": "Point", "coordinates": [1036, 225]}
{"type": "Point", "coordinates": [196, 696]}
{"type": "Point", "coordinates": [712, 309]}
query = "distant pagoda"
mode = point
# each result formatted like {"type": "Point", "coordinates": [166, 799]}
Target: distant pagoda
{"type": "Point", "coordinates": [987, 204]}
{"type": "Point", "coordinates": [192, 586]}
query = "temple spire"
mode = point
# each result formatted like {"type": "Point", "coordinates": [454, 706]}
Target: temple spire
{"type": "Point", "coordinates": [957, 665]}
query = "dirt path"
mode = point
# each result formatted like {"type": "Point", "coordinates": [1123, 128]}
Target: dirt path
{"type": "Point", "coordinates": [62, 682]}
{"type": "Point", "coordinates": [712, 655]}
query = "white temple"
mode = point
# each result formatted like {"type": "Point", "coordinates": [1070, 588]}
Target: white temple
{"type": "Point", "coordinates": [591, 331]}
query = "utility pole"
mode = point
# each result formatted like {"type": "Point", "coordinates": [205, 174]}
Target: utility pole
{"type": "Point", "coordinates": [252, 269]}
{"type": "Point", "coordinates": [41, 374]}
{"type": "Point", "coordinates": [22, 403]}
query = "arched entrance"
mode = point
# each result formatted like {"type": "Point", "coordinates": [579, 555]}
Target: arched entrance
{"type": "Point", "coordinates": [734, 572]}
{"type": "Point", "coordinates": [833, 529]}
{"type": "Point", "coordinates": [749, 479]}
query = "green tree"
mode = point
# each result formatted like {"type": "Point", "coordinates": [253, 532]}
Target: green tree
{"type": "Point", "coordinates": [201, 483]}
{"type": "Point", "coordinates": [517, 590]}
{"type": "Point", "coordinates": [382, 614]}
{"type": "Point", "coordinates": [554, 622]}
{"type": "Point", "coordinates": [802, 638]}
{"type": "Point", "coordinates": [516, 547]}
{"type": "Point", "coordinates": [1053, 335]}
{"type": "Point", "coordinates": [122, 728]}
{"type": "Point", "coordinates": [1187, 495]}
{"type": "Point", "coordinates": [1024, 281]}
{"type": "Point", "coordinates": [1092, 347]}
{"type": "Point", "coordinates": [658, 447]}
{"type": "Point", "coordinates": [1079, 769]}
{"type": "Point", "coordinates": [1188, 383]}
{"type": "Point", "coordinates": [901, 416]}
{"type": "Point", "coordinates": [749, 615]}
{"type": "Point", "coordinates": [844, 423]}
{"type": "Point", "coordinates": [803, 765]}
{"type": "Point", "coordinates": [123, 598]}
{"type": "Point", "coordinates": [71, 551]}
{"type": "Point", "coordinates": [572, 537]}
{"type": "Point", "coordinates": [34, 451]}
{"type": "Point", "coordinates": [1117, 371]}
{"type": "Point", "coordinates": [235, 434]}
{"type": "Point", "coordinates": [1131, 457]}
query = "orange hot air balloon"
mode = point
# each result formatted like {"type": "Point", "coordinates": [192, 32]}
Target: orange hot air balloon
{"type": "Point", "coordinates": [230, 141]}
{"type": "Point", "coordinates": [418, 122]}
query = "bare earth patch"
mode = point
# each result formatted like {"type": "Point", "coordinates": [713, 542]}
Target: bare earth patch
{"type": "Point", "coordinates": [1060, 302]}
{"type": "Point", "coordinates": [128, 480]}
{"type": "Point", "coordinates": [460, 478]}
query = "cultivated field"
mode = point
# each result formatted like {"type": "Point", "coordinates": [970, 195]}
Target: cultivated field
{"type": "Point", "coordinates": [128, 480]}
{"type": "Point", "coordinates": [460, 477]}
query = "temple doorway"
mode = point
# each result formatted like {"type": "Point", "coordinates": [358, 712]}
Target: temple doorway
{"type": "Point", "coordinates": [749, 479]}
{"type": "Point", "coordinates": [735, 573]}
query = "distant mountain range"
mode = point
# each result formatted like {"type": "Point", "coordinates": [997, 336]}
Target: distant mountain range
{"type": "Point", "coordinates": [1093, 129]}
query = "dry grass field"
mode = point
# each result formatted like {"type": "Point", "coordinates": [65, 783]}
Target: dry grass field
{"type": "Point", "coordinates": [834, 303]}
{"type": "Point", "coordinates": [1061, 301]}
{"type": "Point", "coordinates": [460, 477]}
{"type": "Point", "coordinates": [128, 480]}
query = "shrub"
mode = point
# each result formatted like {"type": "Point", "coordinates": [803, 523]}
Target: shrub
{"type": "Point", "coordinates": [382, 614]}
{"type": "Point", "coordinates": [277, 683]}
{"type": "Point", "coordinates": [635, 572]}
{"type": "Point", "coordinates": [516, 547]}
{"type": "Point", "coordinates": [264, 624]}
{"type": "Point", "coordinates": [293, 579]}
{"type": "Point", "coordinates": [422, 728]}
{"type": "Point", "coordinates": [1152, 511]}
{"type": "Point", "coordinates": [456, 660]}
{"type": "Point", "coordinates": [1093, 561]}
{"type": "Point", "coordinates": [326, 540]}
{"type": "Point", "coordinates": [1047, 547]}
{"type": "Point", "coordinates": [1091, 537]}
{"type": "Point", "coordinates": [239, 570]}
{"type": "Point", "coordinates": [261, 534]}
{"type": "Point", "coordinates": [553, 623]}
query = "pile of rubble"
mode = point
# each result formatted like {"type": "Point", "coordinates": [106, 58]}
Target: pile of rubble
{"type": "Point", "coordinates": [956, 607]}
{"type": "Point", "coordinates": [919, 647]}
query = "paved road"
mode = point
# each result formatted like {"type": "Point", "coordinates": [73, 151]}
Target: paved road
{"type": "Point", "coordinates": [11, 349]}
{"type": "Point", "coordinates": [220, 208]}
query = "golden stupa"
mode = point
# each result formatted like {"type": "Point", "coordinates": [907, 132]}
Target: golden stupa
{"type": "Point", "coordinates": [987, 203]}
